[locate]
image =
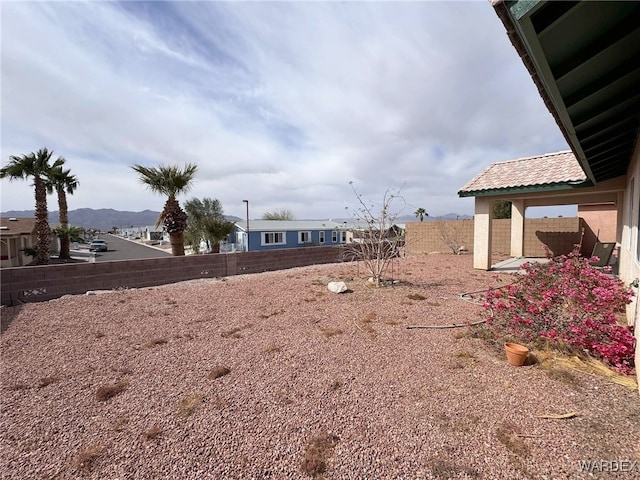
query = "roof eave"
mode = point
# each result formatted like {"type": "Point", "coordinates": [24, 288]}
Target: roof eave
{"type": "Point", "coordinates": [525, 44]}
{"type": "Point", "coordinates": [498, 192]}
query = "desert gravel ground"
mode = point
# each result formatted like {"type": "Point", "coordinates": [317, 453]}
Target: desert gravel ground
{"type": "Point", "coordinates": [271, 376]}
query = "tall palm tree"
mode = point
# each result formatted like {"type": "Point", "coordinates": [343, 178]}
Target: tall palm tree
{"type": "Point", "coordinates": [35, 165]}
{"type": "Point", "coordinates": [170, 181]}
{"type": "Point", "coordinates": [421, 213]}
{"type": "Point", "coordinates": [62, 182]}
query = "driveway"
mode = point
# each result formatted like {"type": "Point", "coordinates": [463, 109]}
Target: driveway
{"type": "Point", "coordinates": [121, 249]}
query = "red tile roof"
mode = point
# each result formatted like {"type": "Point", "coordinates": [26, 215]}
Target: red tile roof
{"type": "Point", "coordinates": [538, 171]}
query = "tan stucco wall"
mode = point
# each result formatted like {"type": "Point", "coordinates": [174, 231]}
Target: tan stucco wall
{"type": "Point", "coordinates": [559, 234]}
{"type": "Point", "coordinates": [601, 222]}
{"type": "Point", "coordinates": [629, 248]}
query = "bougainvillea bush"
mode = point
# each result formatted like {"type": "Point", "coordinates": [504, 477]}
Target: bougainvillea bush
{"type": "Point", "coordinates": [568, 303]}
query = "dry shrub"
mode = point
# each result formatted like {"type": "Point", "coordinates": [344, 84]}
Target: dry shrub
{"type": "Point", "coordinates": [18, 386]}
{"type": "Point", "coordinates": [336, 384]}
{"type": "Point", "coordinates": [122, 370]}
{"type": "Point", "coordinates": [369, 317]}
{"type": "Point", "coordinates": [85, 459]}
{"type": "Point", "coordinates": [564, 376]}
{"type": "Point", "coordinates": [462, 358]}
{"type": "Point", "coordinates": [152, 433]}
{"type": "Point", "coordinates": [272, 349]}
{"type": "Point", "coordinates": [234, 332]}
{"type": "Point", "coordinates": [463, 354]}
{"type": "Point", "coordinates": [43, 382]}
{"type": "Point", "coordinates": [460, 333]}
{"type": "Point", "coordinates": [219, 371]}
{"type": "Point", "coordinates": [155, 342]}
{"type": "Point", "coordinates": [510, 435]}
{"type": "Point", "coordinates": [272, 314]}
{"type": "Point", "coordinates": [120, 424]}
{"type": "Point", "coordinates": [106, 392]}
{"type": "Point", "coordinates": [416, 296]}
{"type": "Point", "coordinates": [317, 452]}
{"type": "Point", "coordinates": [330, 331]}
{"type": "Point", "coordinates": [187, 405]}
{"type": "Point", "coordinates": [446, 470]}
{"type": "Point", "coordinates": [284, 397]}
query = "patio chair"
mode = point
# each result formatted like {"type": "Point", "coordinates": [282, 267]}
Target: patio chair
{"type": "Point", "coordinates": [603, 251]}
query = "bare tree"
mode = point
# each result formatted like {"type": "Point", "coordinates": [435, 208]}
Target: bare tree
{"type": "Point", "coordinates": [452, 234]}
{"type": "Point", "coordinates": [376, 237]}
{"type": "Point", "coordinates": [279, 214]}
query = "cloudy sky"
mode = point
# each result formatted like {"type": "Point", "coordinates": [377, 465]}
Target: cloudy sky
{"type": "Point", "coordinates": [282, 104]}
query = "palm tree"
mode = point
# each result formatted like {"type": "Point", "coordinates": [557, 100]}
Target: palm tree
{"type": "Point", "coordinates": [170, 181]}
{"type": "Point", "coordinates": [216, 230]}
{"type": "Point", "coordinates": [35, 165]}
{"type": "Point", "coordinates": [62, 182]}
{"type": "Point", "coordinates": [421, 213]}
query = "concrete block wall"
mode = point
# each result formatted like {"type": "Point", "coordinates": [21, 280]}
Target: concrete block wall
{"type": "Point", "coordinates": [500, 237]}
{"type": "Point", "coordinates": [560, 234]}
{"type": "Point", "coordinates": [424, 237]}
{"type": "Point", "coordinates": [41, 283]}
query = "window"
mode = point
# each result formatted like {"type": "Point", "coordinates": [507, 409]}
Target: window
{"type": "Point", "coordinates": [321, 236]}
{"type": "Point", "coordinates": [273, 238]}
{"type": "Point", "coordinates": [304, 237]}
{"type": "Point", "coordinates": [343, 237]}
{"type": "Point", "coordinates": [334, 236]}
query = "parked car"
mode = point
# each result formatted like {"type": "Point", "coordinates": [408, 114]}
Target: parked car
{"type": "Point", "coordinates": [98, 246]}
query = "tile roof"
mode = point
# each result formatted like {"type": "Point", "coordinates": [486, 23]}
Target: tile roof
{"type": "Point", "coordinates": [19, 226]}
{"type": "Point", "coordinates": [538, 171]}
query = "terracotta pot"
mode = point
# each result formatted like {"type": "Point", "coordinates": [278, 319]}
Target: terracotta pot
{"type": "Point", "coordinates": [516, 353]}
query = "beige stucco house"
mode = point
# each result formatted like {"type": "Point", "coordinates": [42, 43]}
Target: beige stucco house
{"type": "Point", "coordinates": [584, 58]}
{"type": "Point", "coordinates": [15, 235]}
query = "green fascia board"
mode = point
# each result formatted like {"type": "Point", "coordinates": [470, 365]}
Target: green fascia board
{"type": "Point", "coordinates": [522, 8]}
{"type": "Point", "coordinates": [555, 187]}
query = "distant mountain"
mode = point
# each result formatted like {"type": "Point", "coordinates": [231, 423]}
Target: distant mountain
{"type": "Point", "coordinates": [102, 219]}
{"type": "Point", "coordinates": [413, 218]}
{"type": "Point", "coordinates": [107, 218]}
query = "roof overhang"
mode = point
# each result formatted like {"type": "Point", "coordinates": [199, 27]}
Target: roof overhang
{"type": "Point", "coordinates": [584, 57]}
{"type": "Point", "coordinates": [604, 192]}
{"type": "Point", "coordinates": [548, 188]}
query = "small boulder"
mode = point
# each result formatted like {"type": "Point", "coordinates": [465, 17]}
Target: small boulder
{"type": "Point", "coordinates": [337, 287]}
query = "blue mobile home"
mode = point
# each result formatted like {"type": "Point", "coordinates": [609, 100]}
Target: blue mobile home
{"type": "Point", "coordinates": [276, 234]}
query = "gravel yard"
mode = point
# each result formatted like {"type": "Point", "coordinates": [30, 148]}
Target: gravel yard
{"type": "Point", "coordinates": [272, 376]}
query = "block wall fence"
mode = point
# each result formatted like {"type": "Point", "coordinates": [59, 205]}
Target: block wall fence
{"type": "Point", "coordinates": [559, 234]}
{"type": "Point", "coordinates": [46, 282]}
{"type": "Point", "coordinates": [41, 283]}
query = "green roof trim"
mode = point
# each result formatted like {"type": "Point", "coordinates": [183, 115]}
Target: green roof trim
{"type": "Point", "coordinates": [522, 8]}
{"type": "Point", "coordinates": [526, 189]}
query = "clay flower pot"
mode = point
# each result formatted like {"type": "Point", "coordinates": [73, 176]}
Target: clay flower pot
{"type": "Point", "coordinates": [516, 353]}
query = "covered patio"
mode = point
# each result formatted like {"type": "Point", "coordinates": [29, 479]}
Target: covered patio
{"type": "Point", "coordinates": [542, 180]}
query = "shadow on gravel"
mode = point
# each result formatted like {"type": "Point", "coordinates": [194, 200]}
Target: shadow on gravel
{"type": "Point", "coordinates": [7, 316]}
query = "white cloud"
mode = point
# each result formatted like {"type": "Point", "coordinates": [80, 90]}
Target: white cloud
{"type": "Point", "coordinates": [279, 103]}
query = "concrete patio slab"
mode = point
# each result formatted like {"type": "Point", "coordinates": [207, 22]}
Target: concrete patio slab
{"type": "Point", "coordinates": [514, 264]}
